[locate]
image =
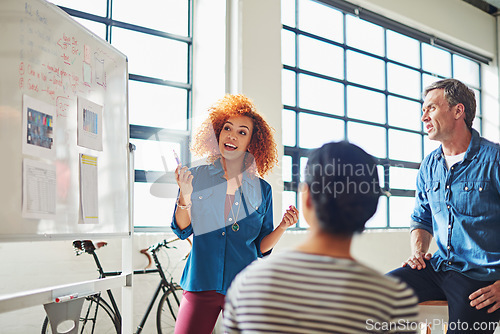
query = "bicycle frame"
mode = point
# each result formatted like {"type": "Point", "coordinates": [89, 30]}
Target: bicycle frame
{"type": "Point", "coordinates": [163, 286]}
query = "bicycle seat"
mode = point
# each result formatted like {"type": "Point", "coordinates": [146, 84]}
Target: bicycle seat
{"type": "Point", "coordinates": [87, 246]}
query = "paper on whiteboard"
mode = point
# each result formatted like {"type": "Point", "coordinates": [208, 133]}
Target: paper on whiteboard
{"type": "Point", "coordinates": [39, 190]}
{"type": "Point", "coordinates": [89, 131]}
{"type": "Point", "coordinates": [39, 123]}
{"type": "Point", "coordinates": [89, 208]}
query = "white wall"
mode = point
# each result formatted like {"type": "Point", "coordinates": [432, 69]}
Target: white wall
{"type": "Point", "coordinates": [253, 67]}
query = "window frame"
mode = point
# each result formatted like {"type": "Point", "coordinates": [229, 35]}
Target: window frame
{"type": "Point", "coordinates": [296, 152]}
{"type": "Point", "coordinates": [149, 132]}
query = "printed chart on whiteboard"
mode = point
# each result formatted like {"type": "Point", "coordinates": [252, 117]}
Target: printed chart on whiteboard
{"type": "Point", "coordinates": [89, 204]}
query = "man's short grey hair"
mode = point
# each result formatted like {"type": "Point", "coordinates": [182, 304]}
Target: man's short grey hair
{"type": "Point", "coordinates": [456, 92]}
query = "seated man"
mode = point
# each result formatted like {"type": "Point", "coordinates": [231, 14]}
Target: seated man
{"type": "Point", "coordinates": [457, 203]}
{"type": "Point", "coordinates": [319, 287]}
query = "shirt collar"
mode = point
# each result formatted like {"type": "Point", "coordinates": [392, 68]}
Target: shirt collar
{"type": "Point", "coordinates": [471, 150]}
{"type": "Point", "coordinates": [473, 146]}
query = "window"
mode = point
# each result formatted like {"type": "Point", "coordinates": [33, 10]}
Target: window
{"type": "Point", "coordinates": [157, 40]}
{"type": "Point", "coordinates": [360, 78]}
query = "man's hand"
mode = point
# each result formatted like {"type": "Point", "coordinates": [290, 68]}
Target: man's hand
{"type": "Point", "coordinates": [417, 260]}
{"type": "Point", "coordinates": [487, 296]}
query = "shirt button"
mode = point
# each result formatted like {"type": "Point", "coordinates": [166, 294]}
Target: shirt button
{"type": "Point", "coordinates": [480, 189]}
{"type": "Point", "coordinates": [200, 197]}
{"type": "Point", "coordinates": [447, 187]}
{"type": "Point", "coordinates": [448, 206]}
{"type": "Point", "coordinates": [466, 188]}
{"type": "Point", "coordinates": [223, 233]}
{"type": "Point", "coordinates": [449, 262]}
{"type": "Point", "coordinates": [230, 219]}
{"type": "Point", "coordinates": [448, 247]}
{"type": "Point", "coordinates": [256, 208]}
{"type": "Point", "coordinates": [235, 203]}
{"type": "Point", "coordinates": [449, 226]}
{"type": "Point", "coordinates": [452, 168]}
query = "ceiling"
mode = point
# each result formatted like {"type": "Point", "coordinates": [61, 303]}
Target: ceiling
{"type": "Point", "coordinates": [489, 6]}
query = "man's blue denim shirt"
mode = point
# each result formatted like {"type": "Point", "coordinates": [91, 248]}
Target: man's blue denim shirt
{"type": "Point", "coordinates": [461, 208]}
{"type": "Point", "coordinates": [219, 253]}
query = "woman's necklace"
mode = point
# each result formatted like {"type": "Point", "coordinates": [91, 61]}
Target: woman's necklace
{"type": "Point", "coordinates": [235, 227]}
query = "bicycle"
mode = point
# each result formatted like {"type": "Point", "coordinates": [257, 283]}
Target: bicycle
{"type": "Point", "coordinates": [99, 317]}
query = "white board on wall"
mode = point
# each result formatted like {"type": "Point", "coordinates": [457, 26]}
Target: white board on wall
{"type": "Point", "coordinates": [49, 58]}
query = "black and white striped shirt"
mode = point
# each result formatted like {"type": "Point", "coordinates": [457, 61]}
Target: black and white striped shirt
{"type": "Point", "coordinates": [304, 293]}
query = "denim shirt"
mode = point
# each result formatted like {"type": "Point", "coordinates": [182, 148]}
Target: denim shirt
{"type": "Point", "coordinates": [461, 208]}
{"type": "Point", "coordinates": [219, 253]}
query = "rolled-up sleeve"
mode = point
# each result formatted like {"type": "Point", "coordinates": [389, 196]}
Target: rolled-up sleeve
{"type": "Point", "coordinates": [182, 234]}
{"type": "Point", "coordinates": [421, 217]}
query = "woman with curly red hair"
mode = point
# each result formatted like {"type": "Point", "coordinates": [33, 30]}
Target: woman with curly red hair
{"type": "Point", "coordinates": [226, 206]}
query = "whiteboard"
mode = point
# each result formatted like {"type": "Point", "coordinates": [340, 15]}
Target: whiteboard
{"type": "Point", "coordinates": [51, 60]}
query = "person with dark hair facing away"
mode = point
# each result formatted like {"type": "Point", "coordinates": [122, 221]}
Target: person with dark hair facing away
{"type": "Point", "coordinates": [319, 287]}
{"type": "Point", "coordinates": [458, 204]}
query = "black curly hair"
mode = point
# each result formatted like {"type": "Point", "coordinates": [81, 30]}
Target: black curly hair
{"type": "Point", "coordinates": [344, 186]}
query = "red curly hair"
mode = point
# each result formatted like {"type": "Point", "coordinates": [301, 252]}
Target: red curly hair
{"type": "Point", "coordinates": [262, 144]}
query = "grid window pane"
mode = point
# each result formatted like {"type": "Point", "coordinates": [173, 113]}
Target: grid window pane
{"type": "Point", "coordinates": [288, 198]}
{"type": "Point", "coordinates": [286, 168]}
{"type": "Point", "coordinates": [379, 219]}
{"type": "Point", "coordinates": [321, 20]}
{"type": "Point", "coordinates": [289, 127]}
{"type": "Point", "coordinates": [365, 104]}
{"type": "Point", "coordinates": [436, 60]}
{"type": "Point", "coordinates": [368, 89]}
{"type": "Point", "coordinates": [157, 105]}
{"type": "Point", "coordinates": [97, 28]}
{"type": "Point", "coordinates": [164, 15]}
{"type": "Point", "coordinates": [403, 81]}
{"type": "Point", "coordinates": [364, 35]}
{"type": "Point", "coordinates": [156, 155]}
{"type": "Point", "coordinates": [153, 108]}
{"type": "Point", "coordinates": [403, 49]}
{"type": "Point", "coordinates": [405, 146]}
{"type": "Point", "coordinates": [97, 7]}
{"type": "Point", "coordinates": [404, 113]}
{"type": "Point", "coordinates": [321, 57]}
{"type": "Point", "coordinates": [400, 212]}
{"type": "Point", "coordinates": [288, 47]}
{"type": "Point", "coordinates": [428, 80]}
{"type": "Point", "coordinates": [466, 70]}
{"type": "Point", "coordinates": [321, 95]}
{"type": "Point", "coordinates": [302, 221]}
{"type": "Point", "coordinates": [358, 65]}
{"type": "Point", "coordinates": [151, 210]}
{"type": "Point", "coordinates": [370, 138]}
{"type": "Point", "coordinates": [402, 178]}
{"type": "Point", "coordinates": [381, 175]}
{"type": "Point", "coordinates": [288, 12]}
{"type": "Point", "coordinates": [315, 131]}
{"type": "Point", "coordinates": [478, 102]}
{"type": "Point", "coordinates": [430, 145]}
{"type": "Point", "coordinates": [302, 168]}
{"type": "Point", "coordinates": [288, 87]}
{"type": "Point", "coordinates": [172, 54]}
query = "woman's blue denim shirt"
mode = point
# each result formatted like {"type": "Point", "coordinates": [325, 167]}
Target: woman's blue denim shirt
{"type": "Point", "coordinates": [461, 208]}
{"type": "Point", "coordinates": [219, 253]}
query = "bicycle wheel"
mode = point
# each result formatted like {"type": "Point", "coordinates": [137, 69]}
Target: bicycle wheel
{"type": "Point", "coordinates": [97, 317]}
{"type": "Point", "coordinates": [167, 310]}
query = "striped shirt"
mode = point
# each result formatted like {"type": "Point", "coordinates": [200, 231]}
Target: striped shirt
{"type": "Point", "coordinates": [302, 293]}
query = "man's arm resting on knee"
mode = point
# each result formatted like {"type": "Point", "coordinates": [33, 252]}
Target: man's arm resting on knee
{"type": "Point", "coordinates": [420, 241]}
